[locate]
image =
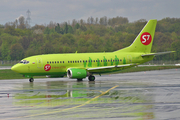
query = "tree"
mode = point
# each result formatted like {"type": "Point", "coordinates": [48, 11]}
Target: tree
{"type": "Point", "coordinates": [16, 52]}
{"type": "Point", "coordinates": [68, 39]}
{"type": "Point", "coordinates": [77, 26]}
{"type": "Point", "coordinates": [22, 22]}
{"type": "Point", "coordinates": [70, 29]}
{"type": "Point", "coordinates": [58, 29]}
{"type": "Point", "coordinates": [74, 22]}
{"type": "Point", "coordinates": [47, 48]}
{"type": "Point", "coordinates": [25, 42]}
{"type": "Point", "coordinates": [103, 21]}
{"type": "Point", "coordinates": [47, 30]}
{"type": "Point", "coordinates": [10, 30]}
{"type": "Point", "coordinates": [65, 28]}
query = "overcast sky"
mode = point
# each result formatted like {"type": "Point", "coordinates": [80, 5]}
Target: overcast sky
{"type": "Point", "coordinates": [44, 11]}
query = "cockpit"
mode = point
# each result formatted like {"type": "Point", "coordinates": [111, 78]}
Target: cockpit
{"type": "Point", "coordinates": [24, 61]}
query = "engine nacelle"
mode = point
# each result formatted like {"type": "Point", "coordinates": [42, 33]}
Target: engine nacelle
{"type": "Point", "coordinates": [75, 73]}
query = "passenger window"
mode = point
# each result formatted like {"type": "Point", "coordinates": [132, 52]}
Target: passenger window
{"type": "Point", "coordinates": [50, 62]}
{"type": "Point", "coordinates": [47, 61]}
{"type": "Point", "coordinates": [63, 61]}
{"type": "Point", "coordinates": [53, 62]}
{"type": "Point", "coordinates": [57, 61]}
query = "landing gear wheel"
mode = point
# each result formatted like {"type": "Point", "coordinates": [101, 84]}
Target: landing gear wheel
{"type": "Point", "coordinates": [31, 80]}
{"type": "Point", "coordinates": [79, 80]}
{"type": "Point", "coordinates": [91, 78]}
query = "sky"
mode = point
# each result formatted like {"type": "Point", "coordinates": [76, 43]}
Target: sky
{"type": "Point", "coordinates": [44, 11]}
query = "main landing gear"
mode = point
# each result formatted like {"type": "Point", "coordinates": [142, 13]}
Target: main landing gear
{"type": "Point", "coordinates": [31, 80]}
{"type": "Point", "coordinates": [91, 78]}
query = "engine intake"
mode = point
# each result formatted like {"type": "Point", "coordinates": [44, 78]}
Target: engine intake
{"type": "Point", "coordinates": [75, 73]}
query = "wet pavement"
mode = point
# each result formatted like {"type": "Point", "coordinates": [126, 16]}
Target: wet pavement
{"type": "Point", "coordinates": [5, 67]}
{"type": "Point", "coordinates": [129, 96]}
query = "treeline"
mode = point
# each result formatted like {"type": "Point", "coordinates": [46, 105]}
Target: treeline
{"type": "Point", "coordinates": [19, 40]}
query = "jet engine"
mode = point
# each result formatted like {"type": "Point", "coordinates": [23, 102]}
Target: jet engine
{"type": "Point", "coordinates": [75, 73]}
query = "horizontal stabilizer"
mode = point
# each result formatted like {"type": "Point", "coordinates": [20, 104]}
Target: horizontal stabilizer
{"type": "Point", "coordinates": [155, 54]}
{"type": "Point", "coordinates": [109, 67]}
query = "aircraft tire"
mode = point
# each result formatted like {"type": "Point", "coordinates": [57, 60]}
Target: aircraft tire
{"type": "Point", "coordinates": [31, 80]}
{"type": "Point", "coordinates": [79, 80]}
{"type": "Point", "coordinates": [91, 78]}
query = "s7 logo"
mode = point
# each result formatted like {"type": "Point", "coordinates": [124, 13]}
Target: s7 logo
{"type": "Point", "coordinates": [146, 38]}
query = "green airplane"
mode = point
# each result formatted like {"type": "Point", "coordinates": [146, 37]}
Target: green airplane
{"type": "Point", "coordinates": [81, 65]}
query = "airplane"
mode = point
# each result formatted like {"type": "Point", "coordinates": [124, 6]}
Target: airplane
{"type": "Point", "coordinates": [81, 65]}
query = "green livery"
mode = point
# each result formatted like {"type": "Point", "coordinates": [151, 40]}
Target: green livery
{"type": "Point", "coordinates": [82, 65]}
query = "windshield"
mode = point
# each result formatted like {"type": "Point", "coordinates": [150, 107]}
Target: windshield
{"type": "Point", "coordinates": [24, 61]}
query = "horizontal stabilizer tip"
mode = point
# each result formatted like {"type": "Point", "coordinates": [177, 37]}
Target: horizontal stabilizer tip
{"type": "Point", "coordinates": [159, 53]}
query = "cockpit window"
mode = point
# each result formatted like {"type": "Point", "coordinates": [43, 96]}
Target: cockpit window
{"type": "Point", "coordinates": [24, 61]}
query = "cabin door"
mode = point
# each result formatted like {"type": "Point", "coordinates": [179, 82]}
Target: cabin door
{"type": "Point", "coordinates": [129, 59]}
{"type": "Point", "coordinates": [39, 62]}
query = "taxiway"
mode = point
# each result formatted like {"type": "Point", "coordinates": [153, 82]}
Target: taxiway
{"type": "Point", "coordinates": [138, 95]}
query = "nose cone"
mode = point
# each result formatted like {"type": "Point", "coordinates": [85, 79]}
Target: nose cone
{"type": "Point", "coordinates": [15, 68]}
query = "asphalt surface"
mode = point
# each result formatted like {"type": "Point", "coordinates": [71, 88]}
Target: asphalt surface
{"type": "Point", "coordinates": [129, 96]}
{"type": "Point", "coordinates": [5, 67]}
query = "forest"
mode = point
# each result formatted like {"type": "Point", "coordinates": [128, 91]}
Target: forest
{"type": "Point", "coordinates": [19, 40]}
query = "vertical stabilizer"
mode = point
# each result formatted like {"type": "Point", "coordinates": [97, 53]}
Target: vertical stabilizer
{"type": "Point", "coordinates": [143, 42]}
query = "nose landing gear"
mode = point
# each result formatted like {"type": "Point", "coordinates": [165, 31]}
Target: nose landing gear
{"type": "Point", "coordinates": [31, 80]}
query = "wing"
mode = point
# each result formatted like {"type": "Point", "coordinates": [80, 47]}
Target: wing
{"type": "Point", "coordinates": [111, 67]}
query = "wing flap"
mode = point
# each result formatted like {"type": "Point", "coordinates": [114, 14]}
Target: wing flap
{"type": "Point", "coordinates": [109, 67]}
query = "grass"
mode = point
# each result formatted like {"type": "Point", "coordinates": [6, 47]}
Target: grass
{"type": "Point", "coordinates": [6, 64]}
{"type": "Point", "coordinates": [9, 74]}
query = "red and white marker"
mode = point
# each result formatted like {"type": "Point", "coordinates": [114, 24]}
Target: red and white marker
{"type": "Point", "coordinates": [47, 67]}
{"type": "Point", "coordinates": [146, 38]}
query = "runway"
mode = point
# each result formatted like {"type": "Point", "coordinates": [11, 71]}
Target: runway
{"type": "Point", "coordinates": [127, 96]}
{"type": "Point", "coordinates": [5, 67]}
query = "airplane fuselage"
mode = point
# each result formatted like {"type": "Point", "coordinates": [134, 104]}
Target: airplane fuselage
{"type": "Point", "coordinates": [57, 64]}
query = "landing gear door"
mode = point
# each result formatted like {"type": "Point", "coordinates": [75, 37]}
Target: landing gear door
{"type": "Point", "coordinates": [39, 62]}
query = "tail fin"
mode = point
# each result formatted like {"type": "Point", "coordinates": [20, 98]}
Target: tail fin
{"type": "Point", "coordinates": [143, 42]}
